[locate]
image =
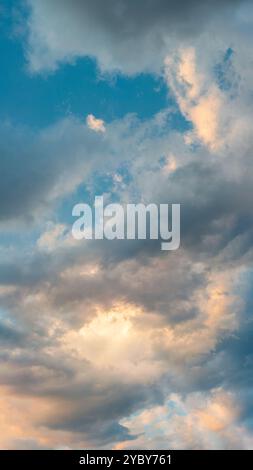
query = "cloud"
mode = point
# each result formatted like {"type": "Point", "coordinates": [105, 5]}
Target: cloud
{"type": "Point", "coordinates": [130, 37]}
{"type": "Point", "coordinates": [113, 343]}
{"type": "Point", "coordinates": [9, 334]}
{"type": "Point", "coordinates": [200, 420]}
{"type": "Point", "coordinates": [199, 102]}
{"type": "Point", "coordinates": [95, 124]}
{"type": "Point", "coordinates": [48, 164]}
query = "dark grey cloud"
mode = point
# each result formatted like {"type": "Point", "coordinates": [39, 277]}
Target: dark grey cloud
{"type": "Point", "coordinates": [128, 35]}
{"type": "Point", "coordinates": [98, 420]}
{"type": "Point", "coordinates": [212, 204]}
{"type": "Point", "coordinates": [38, 167]}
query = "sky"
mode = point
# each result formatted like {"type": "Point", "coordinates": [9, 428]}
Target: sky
{"type": "Point", "coordinates": [117, 344]}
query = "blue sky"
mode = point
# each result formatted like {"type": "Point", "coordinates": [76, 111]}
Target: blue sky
{"type": "Point", "coordinates": [78, 88]}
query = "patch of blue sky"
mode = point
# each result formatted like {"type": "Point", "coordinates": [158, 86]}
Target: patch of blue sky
{"type": "Point", "coordinates": [175, 407]}
{"type": "Point", "coordinates": [154, 428]}
{"type": "Point", "coordinates": [99, 184]}
{"type": "Point", "coordinates": [226, 77]}
{"type": "Point", "coordinates": [74, 89]}
{"type": "Point", "coordinates": [15, 243]}
{"type": "Point", "coordinates": [40, 100]}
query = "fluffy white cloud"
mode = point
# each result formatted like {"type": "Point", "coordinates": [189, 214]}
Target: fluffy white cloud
{"type": "Point", "coordinates": [95, 124]}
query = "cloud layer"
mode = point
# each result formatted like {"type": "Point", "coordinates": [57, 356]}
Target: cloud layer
{"type": "Point", "coordinates": [117, 344]}
{"type": "Point", "coordinates": [129, 36]}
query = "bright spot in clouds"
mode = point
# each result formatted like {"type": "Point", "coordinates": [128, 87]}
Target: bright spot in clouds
{"type": "Point", "coordinates": [95, 124]}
